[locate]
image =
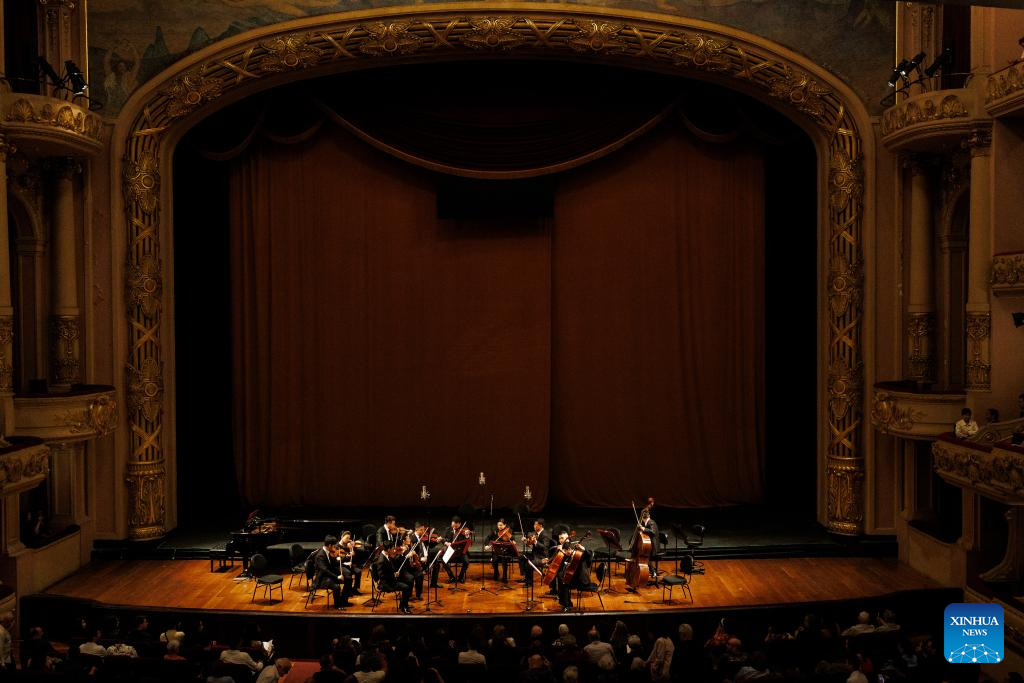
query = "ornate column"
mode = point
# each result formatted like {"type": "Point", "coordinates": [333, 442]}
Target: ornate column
{"type": "Point", "coordinates": [978, 309]}
{"type": "Point", "coordinates": [56, 25]}
{"type": "Point", "coordinates": [921, 297]}
{"type": "Point", "coordinates": [6, 307]}
{"type": "Point", "coordinates": [65, 316]}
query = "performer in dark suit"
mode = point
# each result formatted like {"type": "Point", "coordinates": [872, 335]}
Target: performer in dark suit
{"type": "Point", "coordinates": [649, 526]}
{"type": "Point", "coordinates": [502, 534]}
{"type": "Point", "coordinates": [412, 565]}
{"type": "Point", "coordinates": [350, 568]}
{"type": "Point", "coordinates": [538, 548]}
{"type": "Point", "coordinates": [580, 579]}
{"type": "Point", "coordinates": [459, 558]}
{"type": "Point", "coordinates": [388, 579]}
{"type": "Point", "coordinates": [328, 573]}
{"type": "Point", "coordinates": [387, 535]}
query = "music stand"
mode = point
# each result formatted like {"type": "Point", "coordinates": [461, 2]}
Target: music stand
{"type": "Point", "coordinates": [483, 571]}
{"type": "Point", "coordinates": [612, 546]}
{"type": "Point", "coordinates": [507, 551]}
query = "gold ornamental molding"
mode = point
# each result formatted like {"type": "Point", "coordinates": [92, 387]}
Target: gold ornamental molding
{"type": "Point", "coordinates": [65, 367]}
{"type": "Point", "coordinates": [920, 342]}
{"type": "Point", "coordinates": [146, 495]}
{"type": "Point", "coordinates": [979, 369]}
{"type": "Point", "coordinates": [1008, 274]}
{"type": "Point", "coordinates": [23, 465]}
{"type": "Point", "coordinates": [1005, 95]}
{"type": "Point", "coordinates": [992, 471]}
{"type": "Point", "coordinates": [159, 113]}
{"type": "Point", "coordinates": [931, 120]}
{"type": "Point", "coordinates": [79, 415]}
{"type": "Point", "coordinates": [43, 126]}
{"type": "Point", "coordinates": [6, 354]}
{"type": "Point", "coordinates": [901, 410]}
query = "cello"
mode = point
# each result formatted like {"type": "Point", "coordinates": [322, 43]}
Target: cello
{"type": "Point", "coordinates": [574, 559]}
{"type": "Point", "coordinates": [556, 562]}
{"type": "Point", "coordinates": [637, 571]}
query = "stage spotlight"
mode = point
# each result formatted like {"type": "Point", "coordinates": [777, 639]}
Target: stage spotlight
{"type": "Point", "coordinates": [898, 72]}
{"type": "Point", "coordinates": [941, 63]}
{"type": "Point", "coordinates": [44, 66]}
{"type": "Point", "coordinates": [1018, 319]}
{"type": "Point", "coordinates": [75, 77]}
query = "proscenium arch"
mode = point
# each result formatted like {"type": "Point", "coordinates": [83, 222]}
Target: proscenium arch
{"type": "Point", "coordinates": [165, 108]}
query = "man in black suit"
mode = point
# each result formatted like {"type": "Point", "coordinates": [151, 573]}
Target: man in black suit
{"type": "Point", "coordinates": [388, 579]}
{"type": "Point", "coordinates": [328, 573]}
{"type": "Point", "coordinates": [455, 532]}
{"type": "Point", "coordinates": [537, 552]}
{"type": "Point", "coordinates": [650, 527]}
{"type": "Point", "coordinates": [387, 535]}
{"type": "Point", "coordinates": [580, 578]}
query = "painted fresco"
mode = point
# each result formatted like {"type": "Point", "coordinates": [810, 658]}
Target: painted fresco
{"type": "Point", "coordinates": [130, 41]}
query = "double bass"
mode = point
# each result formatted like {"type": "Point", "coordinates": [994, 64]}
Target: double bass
{"type": "Point", "coordinates": [638, 573]}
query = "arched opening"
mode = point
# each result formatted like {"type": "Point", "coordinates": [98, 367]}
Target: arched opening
{"type": "Point", "coordinates": [675, 132]}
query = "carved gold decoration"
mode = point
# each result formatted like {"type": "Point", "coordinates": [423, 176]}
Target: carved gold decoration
{"type": "Point", "coordinates": [6, 354]}
{"type": "Point", "coordinates": [190, 91]}
{"type": "Point", "coordinates": [702, 52]}
{"type": "Point", "coordinates": [597, 36]}
{"type": "Point", "coordinates": [888, 415]}
{"type": "Point", "coordinates": [64, 350]}
{"type": "Point", "coordinates": [995, 472]}
{"type": "Point", "coordinates": [290, 52]}
{"type": "Point", "coordinates": [146, 514]}
{"type": "Point", "coordinates": [979, 326]}
{"type": "Point", "coordinates": [49, 112]}
{"type": "Point", "coordinates": [98, 418]}
{"type": "Point", "coordinates": [669, 44]}
{"type": "Point", "coordinates": [997, 431]}
{"type": "Point", "coordinates": [1008, 274]}
{"type": "Point", "coordinates": [393, 38]}
{"type": "Point", "coordinates": [146, 389]}
{"type": "Point", "coordinates": [142, 182]}
{"type": "Point", "coordinates": [921, 357]}
{"type": "Point", "coordinates": [979, 142]}
{"type": "Point", "coordinates": [1006, 82]}
{"type": "Point", "coordinates": [802, 91]}
{"type": "Point", "coordinates": [144, 283]}
{"type": "Point", "coordinates": [493, 33]}
{"type": "Point", "coordinates": [915, 111]}
{"type": "Point", "coordinates": [23, 468]}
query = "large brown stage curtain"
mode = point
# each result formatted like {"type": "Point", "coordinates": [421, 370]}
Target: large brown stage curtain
{"type": "Point", "coordinates": [616, 348]}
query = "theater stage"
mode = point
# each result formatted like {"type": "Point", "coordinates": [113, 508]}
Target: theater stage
{"type": "Point", "coordinates": [728, 583]}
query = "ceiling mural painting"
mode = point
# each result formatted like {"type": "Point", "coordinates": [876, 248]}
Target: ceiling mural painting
{"type": "Point", "coordinates": [130, 41]}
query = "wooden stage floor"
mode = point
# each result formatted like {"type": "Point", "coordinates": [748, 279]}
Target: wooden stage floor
{"type": "Point", "coordinates": [727, 583]}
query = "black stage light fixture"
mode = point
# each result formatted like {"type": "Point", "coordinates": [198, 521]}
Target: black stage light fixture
{"type": "Point", "coordinates": [48, 71]}
{"type": "Point", "coordinates": [898, 72]}
{"type": "Point", "coordinates": [75, 77]}
{"type": "Point", "coordinates": [941, 63]}
{"type": "Point", "coordinates": [1018, 319]}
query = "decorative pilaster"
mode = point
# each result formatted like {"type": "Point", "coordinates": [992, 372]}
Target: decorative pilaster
{"type": "Point", "coordinates": [978, 310]}
{"type": "Point", "coordinates": [921, 298]}
{"type": "Point", "coordinates": [65, 368]}
{"type": "Point", "coordinates": [146, 505]}
{"type": "Point", "coordinates": [6, 354]}
{"type": "Point", "coordinates": [64, 319]}
{"type": "Point", "coordinates": [921, 347]}
{"type": "Point", "coordinates": [1011, 568]}
{"type": "Point", "coordinates": [979, 369]}
{"type": "Point", "coordinates": [6, 306]}
{"type": "Point", "coordinates": [57, 30]}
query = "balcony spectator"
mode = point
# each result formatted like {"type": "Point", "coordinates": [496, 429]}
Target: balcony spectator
{"type": "Point", "coordinates": [966, 427]}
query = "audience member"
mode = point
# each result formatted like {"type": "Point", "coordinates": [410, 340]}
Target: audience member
{"type": "Point", "coordinates": [92, 646]}
{"type": "Point", "coordinates": [329, 671]}
{"type": "Point", "coordinates": [597, 648]}
{"type": "Point", "coordinates": [237, 656]}
{"type": "Point", "coordinates": [174, 651]}
{"type": "Point", "coordinates": [280, 669]}
{"type": "Point", "coordinates": [966, 427]}
{"type": "Point", "coordinates": [863, 625]}
{"type": "Point", "coordinates": [991, 416]}
{"type": "Point", "coordinates": [659, 664]}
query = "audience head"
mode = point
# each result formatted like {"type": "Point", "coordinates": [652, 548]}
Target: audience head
{"type": "Point", "coordinates": [966, 414]}
{"type": "Point", "coordinates": [571, 674]}
{"type": "Point", "coordinates": [563, 630]}
{"type": "Point", "coordinates": [864, 618]}
{"type": "Point", "coordinates": [535, 662]}
{"type": "Point", "coordinates": [536, 632]}
{"type": "Point", "coordinates": [593, 635]}
{"type": "Point", "coordinates": [284, 665]}
{"type": "Point", "coordinates": [685, 632]}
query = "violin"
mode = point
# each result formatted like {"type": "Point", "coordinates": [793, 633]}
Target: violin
{"type": "Point", "coordinates": [505, 535]}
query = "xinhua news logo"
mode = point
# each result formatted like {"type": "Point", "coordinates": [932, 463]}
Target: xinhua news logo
{"type": "Point", "coordinates": [973, 632]}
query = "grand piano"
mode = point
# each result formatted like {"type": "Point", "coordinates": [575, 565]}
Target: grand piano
{"type": "Point", "coordinates": [264, 534]}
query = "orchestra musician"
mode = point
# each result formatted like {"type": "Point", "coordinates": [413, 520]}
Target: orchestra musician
{"type": "Point", "coordinates": [389, 579]}
{"type": "Point", "coordinates": [387, 535]}
{"type": "Point", "coordinates": [502, 534]}
{"type": "Point", "coordinates": [649, 526]}
{"type": "Point", "coordinates": [582, 576]}
{"type": "Point", "coordinates": [412, 569]}
{"type": "Point", "coordinates": [537, 547]}
{"type": "Point", "coordinates": [459, 558]}
{"type": "Point", "coordinates": [350, 570]}
{"type": "Point", "coordinates": [329, 575]}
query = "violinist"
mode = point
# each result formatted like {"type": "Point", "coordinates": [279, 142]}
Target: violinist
{"type": "Point", "coordinates": [350, 570]}
{"type": "Point", "coordinates": [537, 547]}
{"type": "Point", "coordinates": [412, 569]}
{"type": "Point", "coordinates": [389, 579]}
{"type": "Point", "coordinates": [387, 535]}
{"type": "Point", "coordinates": [582, 576]}
{"type": "Point", "coordinates": [450, 536]}
{"type": "Point", "coordinates": [328, 574]}
{"type": "Point", "coordinates": [501, 534]}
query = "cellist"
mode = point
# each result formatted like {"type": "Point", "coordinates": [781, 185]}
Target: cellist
{"type": "Point", "coordinates": [582, 576]}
